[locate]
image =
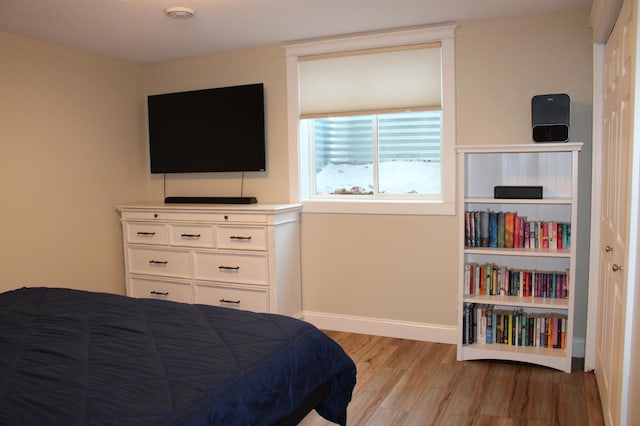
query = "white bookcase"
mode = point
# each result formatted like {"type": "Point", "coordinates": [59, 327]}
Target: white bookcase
{"type": "Point", "coordinates": [554, 167]}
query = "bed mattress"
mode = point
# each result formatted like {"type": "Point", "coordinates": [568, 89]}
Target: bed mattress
{"type": "Point", "coordinates": [77, 357]}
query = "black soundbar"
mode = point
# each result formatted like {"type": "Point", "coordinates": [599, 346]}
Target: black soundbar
{"type": "Point", "coordinates": [210, 200]}
{"type": "Point", "coordinates": [517, 192]}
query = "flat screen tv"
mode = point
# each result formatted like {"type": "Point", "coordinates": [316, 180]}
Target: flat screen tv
{"type": "Point", "coordinates": [210, 130]}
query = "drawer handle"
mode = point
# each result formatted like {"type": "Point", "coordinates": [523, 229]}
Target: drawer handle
{"type": "Point", "coordinates": [158, 262]}
{"type": "Point", "coordinates": [235, 302]}
{"type": "Point", "coordinates": [190, 235]}
{"type": "Point", "coordinates": [235, 237]}
{"type": "Point", "coordinates": [232, 268]}
{"type": "Point", "coordinates": [159, 293]}
{"type": "Point", "coordinates": [146, 233]}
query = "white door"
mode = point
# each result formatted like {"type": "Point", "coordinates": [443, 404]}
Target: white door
{"type": "Point", "coordinates": [619, 70]}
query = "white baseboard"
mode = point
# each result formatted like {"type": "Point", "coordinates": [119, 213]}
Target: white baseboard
{"type": "Point", "coordinates": [383, 327]}
{"type": "Point", "coordinates": [400, 329]}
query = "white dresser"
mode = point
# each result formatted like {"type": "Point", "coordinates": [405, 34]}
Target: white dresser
{"type": "Point", "coordinates": [240, 256]}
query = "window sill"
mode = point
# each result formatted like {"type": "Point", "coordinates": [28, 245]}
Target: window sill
{"type": "Point", "coordinates": [396, 207]}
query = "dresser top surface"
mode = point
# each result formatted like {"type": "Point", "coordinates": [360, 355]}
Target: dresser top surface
{"type": "Point", "coordinates": [245, 208]}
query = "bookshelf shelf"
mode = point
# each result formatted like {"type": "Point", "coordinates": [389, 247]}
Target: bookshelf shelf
{"type": "Point", "coordinates": [524, 350]}
{"type": "Point", "coordinates": [498, 315]}
{"type": "Point", "coordinates": [553, 358]}
{"type": "Point", "coordinates": [543, 201]}
{"type": "Point", "coordinates": [520, 301]}
{"type": "Point", "coordinates": [519, 252]}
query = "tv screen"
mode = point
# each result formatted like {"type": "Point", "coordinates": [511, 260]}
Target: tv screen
{"type": "Point", "coordinates": [210, 130]}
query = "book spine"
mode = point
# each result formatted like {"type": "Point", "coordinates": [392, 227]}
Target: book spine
{"type": "Point", "coordinates": [533, 234]}
{"type": "Point", "coordinates": [482, 321]}
{"type": "Point", "coordinates": [467, 279]}
{"type": "Point", "coordinates": [545, 235]}
{"type": "Point", "coordinates": [500, 239]}
{"type": "Point", "coordinates": [466, 324]}
{"type": "Point", "coordinates": [484, 229]}
{"type": "Point", "coordinates": [521, 221]}
{"type": "Point", "coordinates": [509, 228]}
{"type": "Point", "coordinates": [493, 229]}
{"type": "Point", "coordinates": [490, 331]}
{"type": "Point", "coordinates": [517, 223]}
{"type": "Point", "coordinates": [510, 326]}
{"type": "Point", "coordinates": [467, 229]}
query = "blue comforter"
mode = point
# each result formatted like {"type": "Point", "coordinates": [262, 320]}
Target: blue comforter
{"type": "Point", "coordinates": [70, 357]}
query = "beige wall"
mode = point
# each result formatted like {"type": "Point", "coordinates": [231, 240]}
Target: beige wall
{"type": "Point", "coordinates": [500, 65]}
{"type": "Point", "coordinates": [389, 267]}
{"type": "Point", "coordinates": [70, 150]}
{"type": "Point", "coordinates": [405, 268]}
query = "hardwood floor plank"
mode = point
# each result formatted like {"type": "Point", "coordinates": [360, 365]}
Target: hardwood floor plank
{"type": "Point", "coordinates": [417, 376]}
{"type": "Point", "coordinates": [386, 417]}
{"type": "Point", "coordinates": [535, 396]}
{"type": "Point", "coordinates": [485, 420]}
{"type": "Point", "coordinates": [468, 385]}
{"type": "Point", "coordinates": [429, 409]}
{"type": "Point", "coordinates": [500, 391]}
{"type": "Point", "coordinates": [406, 383]}
{"type": "Point", "coordinates": [592, 399]}
{"type": "Point", "coordinates": [379, 384]}
{"type": "Point", "coordinates": [571, 405]}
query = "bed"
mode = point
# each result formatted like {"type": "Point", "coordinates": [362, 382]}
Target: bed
{"type": "Point", "coordinates": [75, 357]}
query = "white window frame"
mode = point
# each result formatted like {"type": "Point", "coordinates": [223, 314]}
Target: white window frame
{"type": "Point", "coordinates": [299, 161]}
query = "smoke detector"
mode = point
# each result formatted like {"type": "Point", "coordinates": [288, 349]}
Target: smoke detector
{"type": "Point", "coordinates": [179, 12]}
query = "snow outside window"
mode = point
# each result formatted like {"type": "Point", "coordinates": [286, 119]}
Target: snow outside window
{"type": "Point", "coordinates": [390, 155]}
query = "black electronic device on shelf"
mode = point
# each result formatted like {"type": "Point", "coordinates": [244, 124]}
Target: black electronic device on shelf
{"type": "Point", "coordinates": [210, 200]}
{"type": "Point", "coordinates": [550, 117]}
{"type": "Point", "coordinates": [517, 192]}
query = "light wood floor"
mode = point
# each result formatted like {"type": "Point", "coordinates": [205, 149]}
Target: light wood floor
{"type": "Point", "coordinates": [406, 382]}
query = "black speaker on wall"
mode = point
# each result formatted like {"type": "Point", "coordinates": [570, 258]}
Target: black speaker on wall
{"type": "Point", "coordinates": [550, 117]}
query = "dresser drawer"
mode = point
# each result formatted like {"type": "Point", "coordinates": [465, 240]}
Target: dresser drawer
{"type": "Point", "coordinates": [165, 262]}
{"type": "Point", "coordinates": [229, 217]}
{"type": "Point", "coordinates": [156, 289]}
{"type": "Point", "coordinates": [159, 214]}
{"type": "Point", "coordinates": [147, 233]}
{"type": "Point", "coordinates": [191, 235]}
{"type": "Point", "coordinates": [227, 267]}
{"type": "Point", "coordinates": [247, 298]}
{"type": "Point", "coordinates": [241, 237]}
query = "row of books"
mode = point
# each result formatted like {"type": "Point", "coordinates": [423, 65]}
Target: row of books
{"type": "Point", "coordinates": [508, 230]}
{"type": "Point", "coordinates": [494, 280]}
{"type": "Point", "coordinates": [486, 324]}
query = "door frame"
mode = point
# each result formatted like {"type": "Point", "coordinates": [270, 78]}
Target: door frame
{"type": "Point", "coordinates": [604, 14]}
{"type": "Point", "coordinates": [596, 204]}
{"type": "Point", "coordinates": [630, 370]}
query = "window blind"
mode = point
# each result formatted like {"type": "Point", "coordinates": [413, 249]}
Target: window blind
{"type": "Point", "coordinates": [384, 80]}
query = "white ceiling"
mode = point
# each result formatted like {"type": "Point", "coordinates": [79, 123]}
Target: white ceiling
{"type": "Point", "coordinates": [139, 31]}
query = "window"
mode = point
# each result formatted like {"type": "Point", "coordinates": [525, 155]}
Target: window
{"type": "Point", "coordinates": [372, 122]}
{"type": "Point", "coordinates": [384, 155]}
